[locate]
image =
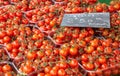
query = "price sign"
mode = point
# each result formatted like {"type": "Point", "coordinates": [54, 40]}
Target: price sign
{"type": "Point", "coordinates": [95, 20]}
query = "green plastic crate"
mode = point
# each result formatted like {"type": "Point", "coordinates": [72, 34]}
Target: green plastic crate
{"type": "Point", "coordinates": [105, 1]}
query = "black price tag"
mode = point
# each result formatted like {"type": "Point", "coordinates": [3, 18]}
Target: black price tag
{"type": "Point", "coordinates": [95, 20]}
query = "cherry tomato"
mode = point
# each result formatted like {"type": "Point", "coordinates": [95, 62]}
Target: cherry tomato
{"type": "Point", "coordinates": [73, 63]}
{"type": "Point", "coordinates": [47, 69]}
{"type": "Point", "coordinates": [102, 60]}
{"type": "Point", "coordinates": [64, 52]}
{"type": "Point", "coordinates": [73, 51]}
{"type": "Point", "coordinates": [6, 68]}
{"type": "Point", "coordinates": [89, 66]}
{"type": "Point", "coordinates": [61, 72]}
{"type": "Point", "coordinates": [84, 57]}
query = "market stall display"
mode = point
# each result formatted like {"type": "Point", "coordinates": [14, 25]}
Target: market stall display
{"type": "Point", "coordinates": [33, 42]}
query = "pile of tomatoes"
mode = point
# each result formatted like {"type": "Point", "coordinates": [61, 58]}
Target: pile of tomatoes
{"type": "Point", "coordinates": [33, 40]}
{"type": "Point", "coordinates": [6, 69]}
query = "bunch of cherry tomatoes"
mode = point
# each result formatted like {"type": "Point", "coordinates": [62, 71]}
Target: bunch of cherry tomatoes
{"type": "Point", "coordinates": [32, 39]}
